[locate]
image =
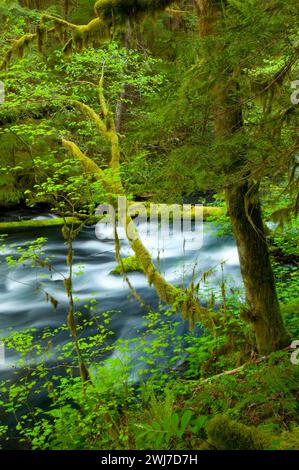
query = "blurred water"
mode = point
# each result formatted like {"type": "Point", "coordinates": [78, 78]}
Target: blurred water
{"type": "Point", "coordinates": [23, 305]}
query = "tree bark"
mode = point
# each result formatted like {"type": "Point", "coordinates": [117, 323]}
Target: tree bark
{"type": "Point", "coordinates": [263, 311]}
{"type": "Point", "coordinates": [119, 109]}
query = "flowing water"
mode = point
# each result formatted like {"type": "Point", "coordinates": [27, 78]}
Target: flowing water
{"type": "Point", "coordinates": [23, 305]}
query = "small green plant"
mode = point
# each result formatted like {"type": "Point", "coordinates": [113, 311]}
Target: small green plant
{"type": "Point", "coordinates": [165, 427]}
{"type": "Point", "coordinates": [128, 265]}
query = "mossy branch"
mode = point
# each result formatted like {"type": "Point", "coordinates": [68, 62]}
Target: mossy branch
{"type": "Point", "coordinates": [106, 127]}
{"type": "Point", "coordinates": [90, 167]}
{"type": "Point", "coordinates": [109, 13]}
{"type": "Point", "coordinates": [87, 163]}
{"type": "Point", "coordinates": [92, 115]}
{"type": "Point", "coordinates": [102, 99]}
{"type": "Point", "coordinates": [17, 49]}
{"type": "Point", "coordinates": [82, 35]}
{"type": "Point", "coordinates": [19, 45]}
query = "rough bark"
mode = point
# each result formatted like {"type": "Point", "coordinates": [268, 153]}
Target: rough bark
{"type": "Point", "coordinates": [263, 310]}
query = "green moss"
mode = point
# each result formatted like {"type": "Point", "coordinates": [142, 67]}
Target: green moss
{"type": "Point", "coordinates": [83, 35]}
{"type": "Point", "coordinates": [128, 265]}
{"type": "Point", "coordinates": [26, 224]}
{"type": "Point", "coordinates": [6, 227]}
{"type": "Point", "coordinates": [289, 440]}
{"type": "Point", "coordinates": [17, 49]}
{"type": "Point", "coordinates": [9, 195]}
{"type": "Point", "coordinates": [207, 211]}
{"type": "Point", "coordinates": [118, 11]}
{"type": "Point", "coordinates": [225, 434]}
{"type": "Point", "coordinates": [88, 35]}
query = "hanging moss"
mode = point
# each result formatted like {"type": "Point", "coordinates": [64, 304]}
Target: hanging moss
{"type": "Point", "coordinates": [71, 322]}
{"type": "Point", "coordinates": [109, 13]}
{"type": "Point", "coordinates": [117, 12]}
{"type": "Point", "coordinates": [225, 434]}
{"type": "Point", "coordinates": [17, 49]}
{"type": "Point", "coordinates": [87, 35]}
{"type": "Point", "coordinates": [19, 45]}
{"type": "Point", "coordinates": [67, 285]}
{"type": "Point", "coordinates": [96, 31]}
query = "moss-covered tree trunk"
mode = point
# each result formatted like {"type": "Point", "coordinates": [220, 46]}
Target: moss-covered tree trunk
{"type": "Point", "coordinates": [263, 310]}
{"type": "Point", "coordinates": [242, 196]}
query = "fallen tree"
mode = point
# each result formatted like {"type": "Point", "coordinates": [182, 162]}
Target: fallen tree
{"type": "Point", "coordinates": [19, 225]}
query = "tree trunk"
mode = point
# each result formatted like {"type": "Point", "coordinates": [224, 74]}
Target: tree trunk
{"type": "Point", "coordinates": [120, 103]}
{"type": "Point", "coordinates": [243, 202]}
{"type": "Point", "coordinates": [263, 310]}
{"type": "Point", "coordinates": [119, 109]}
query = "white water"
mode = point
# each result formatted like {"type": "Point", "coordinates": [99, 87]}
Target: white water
{"type": "Point", "coordinates": [23, 306]}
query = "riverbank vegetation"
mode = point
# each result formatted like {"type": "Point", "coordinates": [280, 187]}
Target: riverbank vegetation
{"type": "Point", "coordinates": [161, 103]}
